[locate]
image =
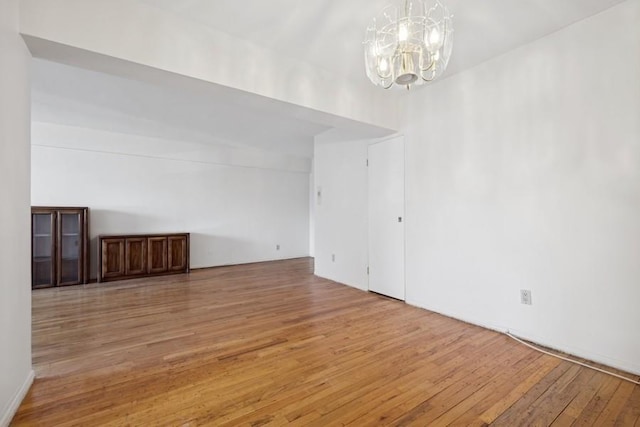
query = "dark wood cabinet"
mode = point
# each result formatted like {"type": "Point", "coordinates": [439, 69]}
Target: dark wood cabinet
{"type": "Point", "coordinates": [140, 255]}
{"type": "Point", "coordinates": [59, 246]}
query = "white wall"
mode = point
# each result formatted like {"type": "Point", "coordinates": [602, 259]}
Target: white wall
{"type": "Point", "coordinates": [15, 276]}
{"type": "Point", "coordinates": [237, 204]}
{"type": "Point", "coordinates": [524, 173]}
{"type": "Point", "coordinates": [340, 172]}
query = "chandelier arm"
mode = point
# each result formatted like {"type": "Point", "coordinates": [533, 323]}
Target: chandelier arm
{"type": "Point", "coordinates": [433, 63]}
{"type": "Point", "coordinates": [426, 79]}
{"type": "Point", "coordinates": [390, 65]}
{"type": "Point", "coordinates": [381, 76]}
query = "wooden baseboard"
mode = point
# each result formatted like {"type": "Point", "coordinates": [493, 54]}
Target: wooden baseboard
{"type": "Point", "coordinates": [17, 400]}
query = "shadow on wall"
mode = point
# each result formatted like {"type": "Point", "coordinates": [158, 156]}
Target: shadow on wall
{"type": "Point", "coordinates": [207, 249]}
{"type": "Point", "coordinates": [212, 250]}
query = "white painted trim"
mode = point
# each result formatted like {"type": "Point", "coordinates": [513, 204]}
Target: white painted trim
{"type": "Point", "coordinates": [17, 400]}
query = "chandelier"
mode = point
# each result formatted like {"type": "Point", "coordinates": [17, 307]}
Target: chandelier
{"type": "Point", "coordinates": [408, 45]}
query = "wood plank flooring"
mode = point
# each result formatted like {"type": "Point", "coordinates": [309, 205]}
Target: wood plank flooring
{"type": "Point", "coordinates": [271, 344]}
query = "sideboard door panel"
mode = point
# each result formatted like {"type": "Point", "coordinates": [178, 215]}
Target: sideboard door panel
{"type": "Point", "coordinates": [177, 253]}
{"type": "Point", "coordinates": [113, 264]}
{"type": "Point", "coordinates": [157, 247]}
{"type": "Point", "coordinates": [136, 256]}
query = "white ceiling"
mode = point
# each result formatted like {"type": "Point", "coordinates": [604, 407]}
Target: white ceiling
{"type": "Point", "coordinates": [76, 97]}
{"type": "Point", "coordinates": [327, 33]}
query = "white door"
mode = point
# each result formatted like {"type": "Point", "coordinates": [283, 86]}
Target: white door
{"type": "Point", "coordinates": [386, 217]}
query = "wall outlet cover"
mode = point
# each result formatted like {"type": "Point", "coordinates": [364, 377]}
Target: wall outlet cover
{"type": "Point", "coordinates": [525, 296]}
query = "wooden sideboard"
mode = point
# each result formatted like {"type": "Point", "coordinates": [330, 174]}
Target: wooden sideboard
{"type": "Point", "coordinates": [140, 255]}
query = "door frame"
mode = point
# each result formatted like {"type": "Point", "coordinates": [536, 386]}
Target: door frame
{"type": "Point", "coordinates": [404, 209]}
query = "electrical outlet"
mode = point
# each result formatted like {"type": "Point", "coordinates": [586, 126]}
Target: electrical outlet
{"type": "Point", "coordinates": [333, 257]}
{"type": "Point", "coordinates": [525, 296]}
{"type": "Point", "coordinates": [277, 247]}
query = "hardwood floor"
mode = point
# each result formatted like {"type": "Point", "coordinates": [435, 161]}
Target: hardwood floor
{"type": "Point", "coordinates": [270, 344]}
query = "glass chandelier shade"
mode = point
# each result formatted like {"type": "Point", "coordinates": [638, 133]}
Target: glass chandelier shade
{"type": "Point", "coordinates": [408, 44]}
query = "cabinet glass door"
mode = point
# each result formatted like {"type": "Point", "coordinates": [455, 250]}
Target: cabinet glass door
{"type": "Point", "coordinates": [70, 246]}
{"type": "Point", "coordinates": [42, 250]}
